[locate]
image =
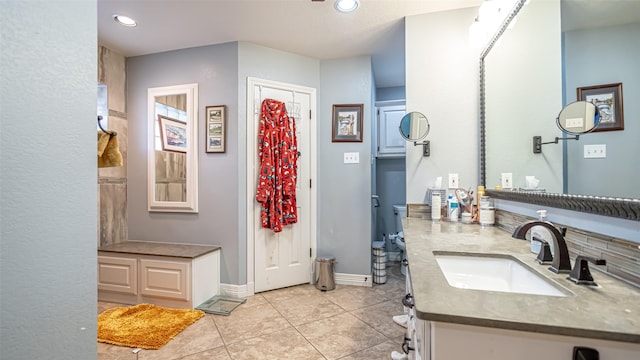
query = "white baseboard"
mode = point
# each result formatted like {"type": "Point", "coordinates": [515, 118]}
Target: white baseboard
{"type": "Point", "coordinates": [353, 279]}
{"type": "Point", "coordinates": [236, 291]}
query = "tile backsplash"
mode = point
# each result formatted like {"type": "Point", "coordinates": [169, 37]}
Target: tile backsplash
{"type": "Point", "coordinates": [622, 256]}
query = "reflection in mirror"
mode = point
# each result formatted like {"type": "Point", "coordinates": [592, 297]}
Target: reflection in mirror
{"type": "Point", "coordinates": [579, 117]}
{"type": "Point", "coordinates": [585, 25]}
{"type": "Point", "coordinates": [172, 155]}
{"type": "Point", "coordinates": [414, 126]}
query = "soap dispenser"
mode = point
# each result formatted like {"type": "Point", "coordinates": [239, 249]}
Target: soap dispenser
{"type": "Point", "coordinates": [536, 232]}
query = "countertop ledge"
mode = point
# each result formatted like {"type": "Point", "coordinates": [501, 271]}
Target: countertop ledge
{"type": "Point", "coordinates": [189, 251]}
{"type": "Point", "coordinates": [610, 311]}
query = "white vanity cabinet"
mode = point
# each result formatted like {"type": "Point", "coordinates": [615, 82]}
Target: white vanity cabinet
{"type": "Point", "coordinates": [172, 275]}
{"type": "Point", "coordinates": [390, 143]}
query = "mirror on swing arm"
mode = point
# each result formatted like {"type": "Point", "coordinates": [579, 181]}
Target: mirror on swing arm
{"type": "Point", "coordinates": [172, 148]}
{"type": "Point", "coordinates": [577, 118]}
{"type": "Point", "coordinates": [414, 126]}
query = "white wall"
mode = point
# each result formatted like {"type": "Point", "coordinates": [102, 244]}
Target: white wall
{"type": "Point", "coordinates": [524, 97]}
{"type": "Point", "coordinates": [48, 179]}
{"type": "Point", "coordinates": [442, 83]}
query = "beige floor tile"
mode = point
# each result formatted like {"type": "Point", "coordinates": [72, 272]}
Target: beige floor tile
{"type": "Point", "coordinates": [219, 353]}
{"type": "Point", "coordinates": [291, 292]}
{"type": "Point", "coordinates": [306, 308]}
{"type": "Point", "coordinates": [378, 352]}
{"type": "Point", "coordinates": [285, 344]}
{"type": "Point", "coordinates": [356, 297]}
{"type": "Point", "coordinates": [200, 336]}
{"type": "Point", "coordinates": [380, 317]}
{"type": "Point", "coordinates": [113, 352]}
{"type": "Point", "coordinates": [250, 321]}
{"type": "Point", "coordinates": [340, 335]}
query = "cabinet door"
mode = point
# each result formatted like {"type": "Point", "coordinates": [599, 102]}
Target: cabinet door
{"type": "Point", "coordinates": [390, 143]}
{"type": "Point", "coordinates": [165, 279]}
{"type": "Point", "coordinates": [118, 274]}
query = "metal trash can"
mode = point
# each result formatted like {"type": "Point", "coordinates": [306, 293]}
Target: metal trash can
{"type": "Point", "coordinates": [323, 273]}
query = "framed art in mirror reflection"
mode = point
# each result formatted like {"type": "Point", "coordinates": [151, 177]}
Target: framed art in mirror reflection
{"type": "Point", "coordinates": [608, 99]}
{"type": "Point", "coordinates": [173, 134]}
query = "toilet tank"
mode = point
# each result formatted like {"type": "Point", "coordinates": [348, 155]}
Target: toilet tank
{"type": "Point", "coordinates": [399, 212]}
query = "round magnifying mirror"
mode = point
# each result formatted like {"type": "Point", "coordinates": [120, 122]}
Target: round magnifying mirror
{"type": "Point", "coordinates": [414, 126]}
{"type": "Point", "coordinates": [579, 117]}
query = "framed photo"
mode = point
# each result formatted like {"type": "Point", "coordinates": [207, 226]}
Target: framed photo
{"type": "Point", "coordinates": [173, 134]}
{"type": "Point", "coordinates": [214, 141]}
{"type": "Point", "coordinates": [608, 99]}
{"type": "Point", "coordinates": [347, 123]}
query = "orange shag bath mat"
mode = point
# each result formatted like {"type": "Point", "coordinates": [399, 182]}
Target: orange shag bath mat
{"type": "Point", "coordinates": [143, 326]}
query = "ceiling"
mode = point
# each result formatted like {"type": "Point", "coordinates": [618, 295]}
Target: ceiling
{"type": "Point", "coordinates": [305, 27]}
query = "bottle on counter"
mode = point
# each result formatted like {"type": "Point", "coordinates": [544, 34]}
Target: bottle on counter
{"type": "Point", "coordinates": [487, 212]}
{"type": "Point", "coordinates": [452, 208]}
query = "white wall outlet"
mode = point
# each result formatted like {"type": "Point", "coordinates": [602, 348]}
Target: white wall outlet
{"type": "Point", "coordinates": [453, 181]}
{"type": "Point", "coordinates": [352, 158]}
{"type": "Point", "coordinates": [507, 180]}
{"type": "Point", "coordinates": [597, 151]}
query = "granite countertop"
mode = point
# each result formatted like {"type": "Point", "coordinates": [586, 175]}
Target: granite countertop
{"type": "Point", "coordinates": [609, 311]}
{"type": "Point", "coordinates": [188, 251]}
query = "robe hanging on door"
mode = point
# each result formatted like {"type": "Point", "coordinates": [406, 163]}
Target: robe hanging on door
{"type": "Point", "coordinates": [278, 154]}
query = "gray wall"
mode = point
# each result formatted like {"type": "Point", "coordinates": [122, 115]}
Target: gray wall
{"type": "Point", "coordinates": [49, 172]}
{"type": "Point", "coordinates": [442, 73]}
{"type": "Point", "coordinates": [344, 190]}
{"type": "Point", "coordinates": [390, 93]}
{"type": "Point", "coordinates": [391, 179]}
{"type": "Point", "coordinates": [215, 70]}
{"type": "Point", "coordinates": [619, 63]}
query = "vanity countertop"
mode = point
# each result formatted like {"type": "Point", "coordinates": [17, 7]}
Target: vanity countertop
{"type": "Point", "coordinates": [189, 251]}
{"type": "Point", "coordinates": [609, 311]}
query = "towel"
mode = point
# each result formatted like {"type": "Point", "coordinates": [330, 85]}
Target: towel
{"type": "Point", "coordinates": [108, 152]}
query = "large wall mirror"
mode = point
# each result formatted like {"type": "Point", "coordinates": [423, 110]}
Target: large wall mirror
{"type": "Point", "coordinates": [534, 70]}
{"type": "Point", "coordinates": [173, 148]}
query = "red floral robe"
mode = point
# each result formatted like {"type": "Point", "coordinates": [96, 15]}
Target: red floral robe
{"type": "Point", "coordinates": [278, 153]}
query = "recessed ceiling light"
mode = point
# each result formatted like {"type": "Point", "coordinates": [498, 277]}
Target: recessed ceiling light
{"type": "Point", "coordinates": [346, 5]}
{"type": "Point", "coordinates": [124, 20]}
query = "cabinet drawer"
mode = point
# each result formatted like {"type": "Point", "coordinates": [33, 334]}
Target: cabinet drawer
{"type": "Point", "coordinates": [166, 279]}
{"type": "Point", "coordinates": [118, 274]}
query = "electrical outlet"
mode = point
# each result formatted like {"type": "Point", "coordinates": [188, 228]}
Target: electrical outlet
{"type": "Point", "coordinates": [453, 181]}
{"type": "Point", "coordinates": [507, 180]}
{"type": "Point", "coordinates": [352, 158]}
{"type": "Point", "coordinates": [598, 151]}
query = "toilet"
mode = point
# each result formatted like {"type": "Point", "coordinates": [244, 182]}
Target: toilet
{"type": "Point", "coordinates": [400, 211]}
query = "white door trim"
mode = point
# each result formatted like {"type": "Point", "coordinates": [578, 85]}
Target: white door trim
{"type": "Point", "coordinates": [251, 163]}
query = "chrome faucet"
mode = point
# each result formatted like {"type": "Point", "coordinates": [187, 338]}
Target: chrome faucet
{"type": "Point", "coordinates": [561, 262]}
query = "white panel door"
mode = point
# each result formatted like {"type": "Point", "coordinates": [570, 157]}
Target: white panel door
{"type": "Point", "coordinates": [284, 259]}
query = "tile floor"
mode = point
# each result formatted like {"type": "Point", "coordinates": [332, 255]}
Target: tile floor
{"type": "Point", "coordinates": [298, 322]}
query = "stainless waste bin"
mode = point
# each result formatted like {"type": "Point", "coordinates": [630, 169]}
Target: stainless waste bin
{"type": "Point", "coordinates": [323, 274]}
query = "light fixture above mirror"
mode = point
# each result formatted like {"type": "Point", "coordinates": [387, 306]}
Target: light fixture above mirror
{"type": "Point", "coordinates": [173, 148]}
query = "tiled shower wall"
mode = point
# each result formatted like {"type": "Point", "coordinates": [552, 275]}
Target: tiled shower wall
{"type": "Point", "coordinates": [112, 182]}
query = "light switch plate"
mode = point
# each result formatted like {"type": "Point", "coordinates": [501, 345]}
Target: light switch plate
{"type": "Point", "coordinates": [352, 158]}
{"type": "Point", "coordinates": [596, 151]}
{"type": "Point", "coordinates": [507, 180]}
{"type": "Point", "coordinates": [453, 181]}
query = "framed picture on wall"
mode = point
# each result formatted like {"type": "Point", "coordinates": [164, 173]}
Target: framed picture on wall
{"type": "Point", "coordinates": [215, 129]}
{"type": "Point", "coordinates": [173, 134]}
{"type": "Point", "coordinates": [608, 99]}
{"type": "Point", "coordinates": [347, 123]}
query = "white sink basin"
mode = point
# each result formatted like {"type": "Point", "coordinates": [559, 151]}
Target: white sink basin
{"type": "Point", "coordinates": [494, 273]}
